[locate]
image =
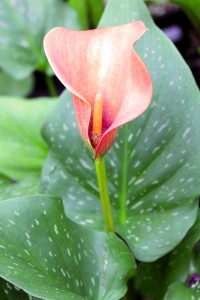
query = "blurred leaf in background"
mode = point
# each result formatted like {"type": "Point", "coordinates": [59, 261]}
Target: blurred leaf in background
{"type": "Point", "coordinates": [89, 11]}
{"type": "Point", "coordinates": [14, 87]}
{"type": "Point", "coordinates": [23, 25]}
{"type": "Point", "coordinates": [190, 7]}
{"type": "Point", "coordinates": [23, 150]}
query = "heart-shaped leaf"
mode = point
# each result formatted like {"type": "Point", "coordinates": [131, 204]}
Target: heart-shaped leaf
{"type": "Point", "coordinates": [24, 24]}
{"type": "Point", "coordinates": [22, 148]}
{"type": "Point", "coordinates": [49, 256]}
{"type": "Point", "coordinates": [153, 168]}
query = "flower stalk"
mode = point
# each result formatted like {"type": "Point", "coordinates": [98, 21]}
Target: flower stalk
{"type": "Point", "coordinates": [104, 194]}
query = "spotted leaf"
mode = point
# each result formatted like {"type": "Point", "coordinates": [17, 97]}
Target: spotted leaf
{"type": "Point", "coordinates": [49, 256]}
{"type": "Point", "coordinates": [154, 279]}
{"type": "Point", "coordinates": [153, 168]}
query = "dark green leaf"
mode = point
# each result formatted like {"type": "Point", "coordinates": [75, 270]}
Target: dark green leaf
{"type": "Point", "coordinates": [24, 24]}
{"type": "Point", "coordinates": [191, 9]}
{"type": "Point", "coordinates": [154, 279]}
{"type": "Point", "coordinates": [10, 86]}
{"type": "Point", "coordinates": [96, 7]}
{"type": "Point", "coordinates": [89, 11]}
{"type": "Point", "coordinates": [51, 257]}
{"type": "Point", "coordinates": [11, 292]}
{"type": "Point", "coordinates": [183, 292]}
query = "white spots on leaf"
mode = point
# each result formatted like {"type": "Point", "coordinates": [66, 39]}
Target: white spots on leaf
{"type": "Point", "coordinates": [93, 185]}
{"type": "Point", "coordinates": [85, 164]}
{"type": "Point", "coordinates": [113, 164]}
{"type": "Point", "coordinates": [26, 251]}
{"type": "Point", "coordinates": [139, 181]}
{"type": "Point", "coordinates": [37, 222]}
{"type": "Point", "coordinates": [27, 235]}
{"type": "Point", "coordinates": [186, 132]}
{"type": "Point", "coordinates": [137, 163]}
{"type": "Point", "coordinates": [190, 179]}
{"type": "Point", "coordinates": [29, 242]}
{"type": "Point", "coordinates": [163, 126]}
{"type": "Point", "coordinates": [131, 180]}
{"type": "Point", "coordinates": [144, 247]}
{"type": "Point", "coordinates": [137, 204]}
{"type": "Point", "coordinates": [55, 229]}
{"type": "Point", "coordinates": [182, 101]}
{"type": "Point", "coordinates": [68, 251]}
{"type": "Point", "coordinates": [16, 213]}
{"type": "Point", "coordinates": [155, 123]}
{"type": "Point", "coordinates": [169, 155]}
{"type": "Point", "coordinates": [89, 221]}
{"type": "Point", "coordinates": [63, 272]}
{"type": "Point", "coordinates": [138, 132]}
{"type": "Point", "coordinates": [105, 265]}
{"type": "Point", "coordinates": [62, 137]}
{"type": "Point", "coordinates": [62, 174]}
{"type": "Point", "coordinates": [156, 149]}
{"type": "Point", "coordinates": [65, 127]}
{"type": "Point", "coordinates": [11, 222]}
{"type": "Point", "coordinates": [93, 281]}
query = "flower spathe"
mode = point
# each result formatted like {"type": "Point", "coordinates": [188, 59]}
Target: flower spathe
{"type": "Point", "coordinates": [101, 64]}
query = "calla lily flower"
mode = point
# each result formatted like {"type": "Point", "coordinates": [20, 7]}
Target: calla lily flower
{"type": "Point", "coordinates": [109, 82]}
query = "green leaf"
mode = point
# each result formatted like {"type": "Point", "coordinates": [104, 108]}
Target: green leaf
{"type": "Point", "coordinates": [89, 11]}
{"type": "Point", "coordinates": [179, 267]}
{"type": "Point", "coordinates": [183, 292]}
{"type": "Point", "coordinates": [153, 168]}
{"type": "Point", "coordinates": [196, 257]}
{"type": "Point", "coordinates": [175, 267]}
{"type": "Point", "coordinates": [51, 257]}
{"type": "Point", "coordinates": [10, 86]}
{"type": "Point", "coordinates": [22, 148]}
{"type": "Point", "coordinates": [160, 147]}
{"type": "Point", "coordinates": [24, 24]}
{"type": "Point", "coordinates": [29, 185]}
{"type": "Point", "coordinates": [190, 7]}
{"type": "Point", "coordinates": [11, 292]}
{"type": "Point", "coordinates": [96, 7]}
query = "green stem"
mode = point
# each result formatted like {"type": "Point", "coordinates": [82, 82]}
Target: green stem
{"type": "Point", "coordinates": [104, 195]}
{"type": "Point", "coordinates": [124, 178]}
{"type": "Point", "coordinates": [51, 86]}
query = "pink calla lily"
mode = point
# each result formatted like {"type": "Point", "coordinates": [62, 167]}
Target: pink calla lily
{"type": "Point", "coordinates": [101, 62]}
